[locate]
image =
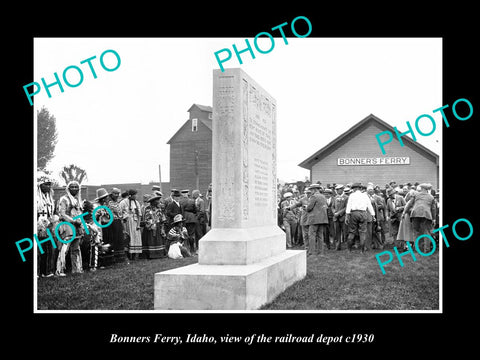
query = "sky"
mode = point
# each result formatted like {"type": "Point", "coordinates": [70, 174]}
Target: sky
{"type": "Point", "coordinates": [116, 126]}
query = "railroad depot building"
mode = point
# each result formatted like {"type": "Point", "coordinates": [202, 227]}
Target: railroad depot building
{"type": "Point", "coordinates": [355, 156]}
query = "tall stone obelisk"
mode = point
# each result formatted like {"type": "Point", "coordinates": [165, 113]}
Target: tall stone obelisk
{"type": "Point", "coordinates": [243, 262]}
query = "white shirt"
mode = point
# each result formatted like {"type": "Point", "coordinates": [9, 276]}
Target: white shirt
{"type": "Point", "coordinates": [359, 201]}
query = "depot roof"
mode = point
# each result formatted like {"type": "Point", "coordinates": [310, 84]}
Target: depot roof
{"type": "Point", "coordinates": [356, 129]}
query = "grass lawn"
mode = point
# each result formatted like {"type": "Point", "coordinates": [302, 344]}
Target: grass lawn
{"type": "Point", "coordinates": [337, 281]}
{"type": "Point", "coordinates": [117, 287]}
{"type": "Point", "coordinates": [341, 280]}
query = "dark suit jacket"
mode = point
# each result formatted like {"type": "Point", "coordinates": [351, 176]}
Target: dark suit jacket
{"type": "Point", "coordinates": [189, 210]}
{"type": "Point", "coordinates": [330, 207]}
{"type": "Point", "coordinates": [317, 210]}
{"type": "Point", "coordinates": [171, 210]}
{"type": "Point", "coordinates": [381, 207]}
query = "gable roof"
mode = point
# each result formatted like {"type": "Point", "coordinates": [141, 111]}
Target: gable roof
{"type": "Point", "coordinates": [207, 123]}
{"type": "Point", "coordinates": [357, 128]}
{"type": "Point", "coordinates": [201, 107]}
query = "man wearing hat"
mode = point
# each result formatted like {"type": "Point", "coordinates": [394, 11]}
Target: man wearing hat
{"type": "Point", "coordinates": [201, 226]}
{"type": "Point", "coordinates": [329, 230]}
{"type": "Point", "coordinates": [317, 220]}
{"type": "Point", "coordinates": [289, 217]}
{"type": "Point", "coordinates": [339, 206]}
{"type": "Point", "coordinates": [356, 215]}
{"type": "Point", "coordinates": [381, 206]}
{"type": "Point", "coordinates": [173, 208]}
{"type": "Point", "coordinates": [373, 238]}
{"type": "Point", "coordinates": [302, 203]}
{"type": "Point", "coordinates": [190, 217]}
{"type": "Point", "coordinates": [208, 206]}
{"type": "Point", "coordinates": [169, 199]}
{"type": "Point", "coordinates": [394, 210]}
{"type": "Point", "coordinates": [423, 213]}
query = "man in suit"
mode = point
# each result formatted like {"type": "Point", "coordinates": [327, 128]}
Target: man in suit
{"type": "Point", "coordinates": [190, 217]}
{"type": "Point", "coordinates": [381, 223]}
{"type": "Point", "coordinates": [338, 207]}
{"type": "Point", "coordinates": [289, 218]}
{"type": "Point", "coordinates": [423, 213]}
{"type": "Point", "coordinates": [169, 199]}
{"type": "Point", "coordinates": [395, 205]}
{"type": "Point", "coordinates": [173, 208]}
{"type": "Point", "coordinates": [329, 230]}
{"type": "Point", "coordinates": [317, 220]}
{"type": "Point", "coordinates": [208, 206]}
{"type": "Point", "coordinates": [201, 227]}
{"type": "Point", "coordinates": [372, 241]}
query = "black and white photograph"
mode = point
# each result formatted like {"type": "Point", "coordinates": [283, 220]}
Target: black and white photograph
{"type": "Point", "coordinates": [281, 177]}
{"type": "Point", "coordinates": [218, 202]}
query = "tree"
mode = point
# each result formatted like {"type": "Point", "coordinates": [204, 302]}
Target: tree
{"type": "Point", "coordinates": [73, 172]}
{"type": "Point", "coordinates": [46, 137]}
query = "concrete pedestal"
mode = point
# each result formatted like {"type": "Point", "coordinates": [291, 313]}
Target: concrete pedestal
{"type": "Point", "coordinates": [228, 287]}
{"type": "Point", "coordinates": [240, 246]}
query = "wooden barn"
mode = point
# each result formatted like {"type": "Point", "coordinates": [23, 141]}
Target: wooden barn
{"type": "Point", "coordinates": [191, 151]}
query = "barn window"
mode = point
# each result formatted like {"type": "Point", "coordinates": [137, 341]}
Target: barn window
{"type": "Point", "coordinates": [194, 124]}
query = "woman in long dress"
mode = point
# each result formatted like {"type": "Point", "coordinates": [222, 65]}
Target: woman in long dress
{"type": "Point", "coordinates": [131, 214]}
{"type": "Point", "coordinates": [153, 236]}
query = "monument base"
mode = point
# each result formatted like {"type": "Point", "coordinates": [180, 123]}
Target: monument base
{"type": "Point", "coordinates": [240, 246]}
{"type": "Point", "coordinates": [228, 287]}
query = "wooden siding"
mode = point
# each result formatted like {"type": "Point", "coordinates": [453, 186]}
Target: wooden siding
{"type": "Point", "coordinates": [182, 157]}
{"type": "Point", "coordinates": [422, 168]}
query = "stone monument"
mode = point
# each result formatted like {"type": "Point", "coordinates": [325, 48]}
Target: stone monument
{"type": "Point", "coordinates": [242, 262]}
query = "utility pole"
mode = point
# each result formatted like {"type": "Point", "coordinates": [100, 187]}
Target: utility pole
{"type": "Point", "coordinates": [160, 176]}
{"type": "Point", "coordinates": [197, 177]}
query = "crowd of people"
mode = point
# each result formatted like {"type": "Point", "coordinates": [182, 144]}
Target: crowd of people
{"type": "Point", "coordinates": [356, 215]}
{"type": "Point", "coordinates": [162, 226]}
{"type": "Point", "coordinates": [321, 217]}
